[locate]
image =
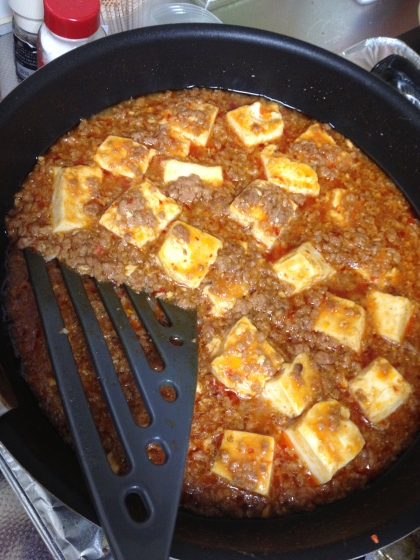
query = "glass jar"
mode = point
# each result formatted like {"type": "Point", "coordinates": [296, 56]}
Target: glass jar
{"type": "Point", "coordinates": [27, 19]}
{"type": "Point", "coordinates": [67, 25]}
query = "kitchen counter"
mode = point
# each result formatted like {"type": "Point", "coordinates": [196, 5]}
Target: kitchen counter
{"type": "Point", "coordinates": [332, 24]}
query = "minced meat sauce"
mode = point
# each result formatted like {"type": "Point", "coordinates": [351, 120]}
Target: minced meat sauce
{"type": "Point", "coordinates": [359, 222]}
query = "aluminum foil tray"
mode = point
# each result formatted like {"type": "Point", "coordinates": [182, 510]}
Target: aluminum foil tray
{"type": "Point", "coordinates": [66, 535]}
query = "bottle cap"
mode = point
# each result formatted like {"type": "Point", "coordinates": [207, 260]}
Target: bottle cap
{"type": "Point", "coordinates": [31, 9]}
{"type": "Point", "coordinates": [77, 19]}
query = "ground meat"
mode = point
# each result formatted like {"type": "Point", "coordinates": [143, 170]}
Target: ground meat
{"type": "Point", "coordinates": [134, 211]}
{"type": "Point", "coordinates": [181, 232]}
{"type": "Point", "coordinates": [188, 189]}
{"type": "Point", "coordinates": [275, 203]}
{"type": "Point", "coordinates": [371, 241]}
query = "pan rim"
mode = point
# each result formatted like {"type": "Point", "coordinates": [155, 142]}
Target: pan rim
{"type": "Point", "coordinates": [14, 109]}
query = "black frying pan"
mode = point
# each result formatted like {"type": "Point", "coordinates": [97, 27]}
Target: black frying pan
{"type": "Point", "coordinates": [314, 81]}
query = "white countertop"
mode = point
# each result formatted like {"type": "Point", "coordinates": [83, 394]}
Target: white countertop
{"type": "Point", "coordinates": [332, 24]}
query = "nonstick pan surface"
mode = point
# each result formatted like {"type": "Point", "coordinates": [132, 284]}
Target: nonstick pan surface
{"type": "Point", "coordinates": [316, 82]}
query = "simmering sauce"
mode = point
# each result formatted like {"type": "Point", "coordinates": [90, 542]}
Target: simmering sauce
{"type": "Point", "coordinates": [301, 257]}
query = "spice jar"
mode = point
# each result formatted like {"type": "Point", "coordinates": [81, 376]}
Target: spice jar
{"type": "Point", "coordinates": [67, 25]}
{"type": "Point", "coordinates": [27, 19]}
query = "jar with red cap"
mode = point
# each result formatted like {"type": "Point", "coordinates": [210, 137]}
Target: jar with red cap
{"type": "Point", "coordinates": [67, 25]}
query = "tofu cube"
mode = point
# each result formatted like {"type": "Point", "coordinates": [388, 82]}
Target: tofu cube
{"type": "Point", "coordinates": [295, 389]}
{"type": "Point", "coordinates": [379, 390]}
{"type": "Point", "coordinates": [73, 188]}
{"type": "Point", "coordinates": [140, 214]}
{"type": "Point", "coordinates": [176, 145]}
{"type": "Point", "coordinates": [123, 156]}
{"type": "Point", "coordinates": [292, 176]}
{"type": "Point", "coordinates": [265, 208]}
{"type": "Point", "coordinates": [193, 122]}
{"type": "Point", "coordinates": [247, 360]}
{"type": "Point", "coordinates": [337, 210]}
{"type": "Point", "coordinates": [173, 169]}
{"type": "Point", "coordinates": [303, 267]}
{"type": "Point", "coordinates": [246, 460]}
{"type": "Point", "coordinates": [316, 133]}
{"type": "Point", "coordinates": [343, 320]}
{"type": "Point", "coordinates": [187, 254]}
{"type": "Point", "coordinates": [257, 123]}
{"type": "Point", "coordinates": [325, 439]}
{"type": "Point", "coordinates": [224, 292]}
{"type": "Point", "coordinates": [390, 314]}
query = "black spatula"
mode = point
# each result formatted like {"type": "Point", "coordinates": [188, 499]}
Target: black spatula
{"type": "Point", "coordinates": [137, 510]}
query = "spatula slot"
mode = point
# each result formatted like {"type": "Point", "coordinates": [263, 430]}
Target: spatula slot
{"type": "Point", "coordinates": [118, 303]}
{"type": "Point", "coordinates": [159, 313]}
{"type": "Point", "coordinates": [168, 392]}
{"type": "Point", "coordinates": [176, 340]}
{"type": "Point", "coordinates": [137, 508]}
{"type": "Point", "coordinates": [156, 453]}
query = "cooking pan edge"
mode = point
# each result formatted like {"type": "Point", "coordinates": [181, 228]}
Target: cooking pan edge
{"type": "Point", "coordinates": [300, 75]}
